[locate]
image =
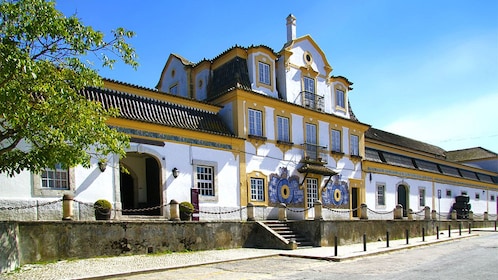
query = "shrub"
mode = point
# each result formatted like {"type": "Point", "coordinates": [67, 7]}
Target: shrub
{"type": "Point", "coordinates": [102, 204]}
{"type": "Point", "coordinates": [186, 207]}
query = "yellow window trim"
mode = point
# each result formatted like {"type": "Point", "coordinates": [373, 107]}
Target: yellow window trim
{"type": "Point", "coordinates": [257, 175]}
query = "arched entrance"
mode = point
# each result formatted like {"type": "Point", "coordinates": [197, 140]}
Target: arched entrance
{"type": "Point", "coordinates": [403, 198]}
{"type": "Point", "coordinates": [141, 186]}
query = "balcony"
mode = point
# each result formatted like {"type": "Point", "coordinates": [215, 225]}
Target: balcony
{"type": "Point", "coordinates": [315, 153]}
{"type": "Point", "coordinates": [311, 100]}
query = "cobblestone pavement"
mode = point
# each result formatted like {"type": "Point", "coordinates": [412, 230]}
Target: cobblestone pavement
{"type": "Point", "coordinates": [100, 268]}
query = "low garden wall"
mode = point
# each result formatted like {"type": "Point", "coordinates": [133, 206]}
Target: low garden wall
{"type": "Point", "coordinates": [31, 242]}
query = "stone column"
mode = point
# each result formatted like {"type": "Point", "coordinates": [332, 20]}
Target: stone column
{"type": "Point", "coordinates": [427, 213]}
{"type": "Point", "coordinates": [67, 207]}
{"type": "Point", "coordinates": [282, 212]}
{"type": "Point", "coordinates": [471, 215]}
{"type": "Point", "coordinates": [398, 212]}
{"type": "Point", "coordinates": [486, 216]}
{"type": "Point", "coordinates": [454, 215]}
{"type": "Point", "coordinates": [250, 211]}
{"type": "Point", "coordinates": [364, 212]}
{"type": "Point", "coordinates": [410, 214]}
{"type": "Point", "coordinates": [174, 210]}
{"type": "Point", "coordinates": [434, 214]}
{"type": "Point", "coordinates": [318, 210]}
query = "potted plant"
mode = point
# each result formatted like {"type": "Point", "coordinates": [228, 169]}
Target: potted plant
{"type": "Point", "coordinates": [102, 209]}
{"type": "Point", "coordinates": [186, 210]}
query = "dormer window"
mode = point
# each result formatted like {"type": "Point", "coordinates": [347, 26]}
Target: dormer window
{"type": "Point", "coordinates": [264, 73]}
{"type": "Point", "coordinates": [309, 92]}
{"type": "Point", "coordinates": [309, 85]}
{"type": "Point", "coordinates": [340, 99]}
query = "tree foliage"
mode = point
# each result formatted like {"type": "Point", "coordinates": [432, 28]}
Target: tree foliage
{"type": "Point", "coordinates": [43, 118]}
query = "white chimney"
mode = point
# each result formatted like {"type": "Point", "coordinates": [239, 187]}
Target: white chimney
{"type": "Point", "coordinates": [291, 28]}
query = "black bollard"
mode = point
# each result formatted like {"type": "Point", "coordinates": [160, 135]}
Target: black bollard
{"type": "Point", "coordinates": [449, 230]}
{"type": "Point", "coordinates": [437, 232]}
{"type": "Point", "coordinates": [423, 234]}
{"type": "Point", "coordinates": [387, 239]}
{"type": "Point", "coordinates": [407, 236]}
{"type": "Point", "coordinates": [495, 225]}
{"type": "Point", "coordinates": [470, 228]}
{"type": "Point", "coordinates": [460, 228]}
{"type": "Point", "coordinates": [335, 246]}
{"type": "Point", "coordinates": [365, 242]}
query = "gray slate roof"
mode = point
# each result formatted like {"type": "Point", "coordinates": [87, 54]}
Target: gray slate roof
{"type": "Point", "coordinates": [138, 108]}
{"type": "Point", "coordinates": [470, 154]}
{"type": "Point", "coordinates": [233, 74]}
{"type": "Point", "coordinates": [390, 138]}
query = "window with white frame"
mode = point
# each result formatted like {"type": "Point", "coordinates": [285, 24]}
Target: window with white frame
{"type": "Point", "coordinates": [381, 195]}
{"type": "Point", "coordinates": [336, 141]}
{"type": "Point", "coordinates": [309, 84]}
{"type": "Point", "coordinates": [257, 189]}
{"type": "Point", "coordinates": [354, 145]}
{"type": "Point", "coordinates": [309, 92]}
{"type": "Point", "coordinates": [340, 98]}
{"type": "Point", "coordinates": [311, 141]}
{"type": "Point", "coordinates": [205, 180]}
{"type": "Point", "coordinates": [283, 129]}
{"type": "Point", "coordinates": [255, 122]}
{"type": "Point", "coordinates": [264, 73]}
{"type": "Point", "coordinates": [311, 191]}
{"type": "Point", "coordinates": [55, 178]}
{"type": "Point", "coordinates": [53, 182]}
{"type": "Point", "coordinates": [421, 197]}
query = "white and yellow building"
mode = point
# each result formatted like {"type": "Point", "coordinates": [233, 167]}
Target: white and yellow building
{"type": "Point", "coordinates": [250, 126]}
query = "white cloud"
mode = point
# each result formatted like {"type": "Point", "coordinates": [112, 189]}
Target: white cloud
{"type": "Point", "coordinates": [456, 126]}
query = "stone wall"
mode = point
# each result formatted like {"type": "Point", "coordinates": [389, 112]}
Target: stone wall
{"type": "Point", "coordinates": [29, 242]}
{"type": "Point", "coordinates": [323, 233]}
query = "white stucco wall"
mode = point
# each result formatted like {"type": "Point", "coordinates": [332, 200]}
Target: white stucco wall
{"type": "Point", "coordinates": [443, 205]}
{"type": "Point", "coordinates": [18, 186]}
{"type": "Point", "coordinates": [180, 78]}
{"type": "Point", "coordinates": [201, 83]}
{"type": "Point", "coordinates": [254, 75]}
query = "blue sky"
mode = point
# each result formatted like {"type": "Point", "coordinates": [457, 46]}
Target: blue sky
{"type": "Point", "coordinates": [425, 69]}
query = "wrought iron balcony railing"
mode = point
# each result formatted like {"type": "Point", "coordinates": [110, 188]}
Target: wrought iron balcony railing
{"type": "Point", "coordinates": [314, 152]}
{"type": "Point", "coordinates": [312, 101]}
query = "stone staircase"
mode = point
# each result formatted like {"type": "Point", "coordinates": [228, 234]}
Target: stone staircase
{"type": "Point", "coordinates": [284, 231]}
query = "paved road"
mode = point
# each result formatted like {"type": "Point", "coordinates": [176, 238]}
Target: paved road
{"type": "Point", "coordinates": [469, 258]}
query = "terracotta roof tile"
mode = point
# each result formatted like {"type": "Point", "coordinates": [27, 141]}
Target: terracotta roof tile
{"type": "Point", "coordinates": [138, 108]}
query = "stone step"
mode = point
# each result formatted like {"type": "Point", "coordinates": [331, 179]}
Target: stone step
{"type": "Point", "coordinates": [282, 229]}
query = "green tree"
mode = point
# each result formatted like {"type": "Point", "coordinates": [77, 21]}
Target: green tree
{"type": "Point", "coordinates": [43, 118]}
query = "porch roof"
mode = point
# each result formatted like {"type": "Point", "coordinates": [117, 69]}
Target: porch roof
{"type": "Point", "coordinates": [316, 169]}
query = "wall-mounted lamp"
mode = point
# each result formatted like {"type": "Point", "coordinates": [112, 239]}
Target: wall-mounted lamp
{"type": "Point", "coordinates": [102, 165]}
{"type": "Point", "coordinates": [176, 172]}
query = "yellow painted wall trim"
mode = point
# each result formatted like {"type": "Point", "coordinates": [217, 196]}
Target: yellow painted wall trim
{"type": "Point", "coordinates": [259, 175]}
{"type": "Point", "coordinates": [327, 68]}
